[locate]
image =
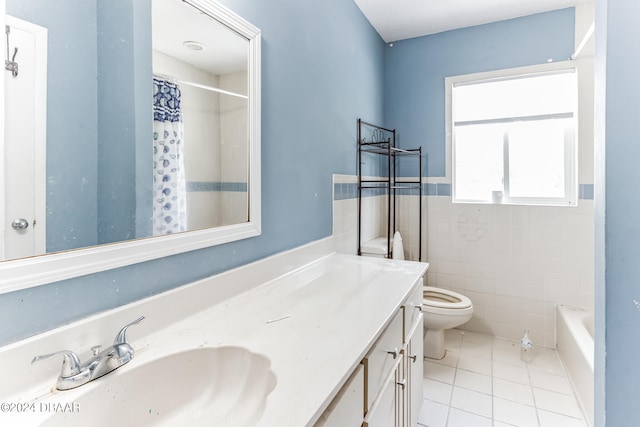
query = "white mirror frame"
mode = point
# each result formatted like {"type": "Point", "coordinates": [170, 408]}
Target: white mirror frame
{"type": "Point", "coordinates": [29, 272]}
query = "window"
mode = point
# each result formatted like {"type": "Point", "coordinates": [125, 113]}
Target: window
{"type": "Point", "coordinates": [513, 138]}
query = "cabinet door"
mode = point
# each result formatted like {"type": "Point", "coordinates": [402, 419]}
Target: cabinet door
{"type": "Point", "coordinates": [414, 368]}
{"type": "Point", "coordinates": [346, 410]}
{"type": "Point", "coordinates": [386, 410]}
{"type": "Point", "coordinates": [412, 309]}
{"type": "Point", "coordinates": [402, 392]}
{"type": "Point", "coordinates": [382, 358]}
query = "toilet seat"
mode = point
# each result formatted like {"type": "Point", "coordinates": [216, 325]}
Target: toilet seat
{"type": "Point", "coordinates": [444, 298]}
{"type": "Point", "coordinates": [442, 309]}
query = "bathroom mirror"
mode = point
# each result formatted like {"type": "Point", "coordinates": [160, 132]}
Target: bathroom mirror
{"type": "Point", "coordinates": [106, 152]}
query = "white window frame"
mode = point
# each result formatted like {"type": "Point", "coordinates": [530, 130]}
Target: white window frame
{"type": "Point", "coordinates": [571, 138]}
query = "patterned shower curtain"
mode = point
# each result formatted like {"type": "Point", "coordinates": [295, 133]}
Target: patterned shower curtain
{"type": "Point", "coordinates": [169, 185]}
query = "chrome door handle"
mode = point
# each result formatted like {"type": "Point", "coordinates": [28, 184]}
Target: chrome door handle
{"type": "Point", "coordinates": [20, 224]}
{"type": "Point", "coordinates": [393, 353]}
{"type": "Point", "coordinates": [413, 357]}
{"type": "Point", "coordinates": [402, 383]}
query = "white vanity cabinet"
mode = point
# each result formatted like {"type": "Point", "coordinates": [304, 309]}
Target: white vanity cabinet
{"type": "Point", "coordinates": [413, 355]}
{"type": "Point", "coordinates": [398, 402]}
{"type": "Point", "coordinates": [412, 307]}
{"type": "Point", "coordinates": [387, 409]}
{"type": "Point", "coordinates": [414, 370]}
{"type": "Point", "coordinates": [346, 408]}
{"type": "Point", "coordinates": [354, 319]}
{"type": "Point", "coordinates": [385, 390]}
{"type": "Point", "coordinates": [383, 358]}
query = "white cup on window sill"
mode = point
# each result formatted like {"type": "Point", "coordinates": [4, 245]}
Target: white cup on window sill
{"type": "Point", "coordinates": [497, 197]}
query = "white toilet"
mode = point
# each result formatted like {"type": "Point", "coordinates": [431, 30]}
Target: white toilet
{"type": "Point", "coordinates": [442, 309]}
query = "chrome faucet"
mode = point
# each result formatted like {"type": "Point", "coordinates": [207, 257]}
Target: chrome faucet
{"type": "Point", "coordinates": [74, 373]}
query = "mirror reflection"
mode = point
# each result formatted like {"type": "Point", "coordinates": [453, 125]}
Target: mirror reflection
{"type": "Point", "coordinates": [200, 120]}
{"type": "Point", "coordinates": [125, 120]}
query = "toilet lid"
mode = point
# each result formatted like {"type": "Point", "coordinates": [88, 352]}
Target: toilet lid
{"type": "Point", "coordinates": [444, 298]}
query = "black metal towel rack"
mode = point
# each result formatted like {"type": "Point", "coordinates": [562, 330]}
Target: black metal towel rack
{"type": "Point", "coordinates": [381, 141]}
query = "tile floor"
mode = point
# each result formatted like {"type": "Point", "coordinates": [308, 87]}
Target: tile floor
{"type": "Point", "coordinates": [482, 381]}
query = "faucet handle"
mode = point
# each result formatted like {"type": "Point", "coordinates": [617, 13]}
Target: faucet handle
{"type": "Point", "coordinates": [71, 365]}
{"type": "Point", "coordinates": [121, 338]}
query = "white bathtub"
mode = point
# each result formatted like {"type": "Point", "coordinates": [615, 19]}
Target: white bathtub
{"type": "Point", "coordinates": [574, 343]}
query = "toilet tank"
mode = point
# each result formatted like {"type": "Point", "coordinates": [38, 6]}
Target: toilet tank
{"type": "Point", "coordinates": [375, 248]}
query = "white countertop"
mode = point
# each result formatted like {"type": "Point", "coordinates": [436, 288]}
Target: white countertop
{"type": "Point", "coordinates": [314, 324]}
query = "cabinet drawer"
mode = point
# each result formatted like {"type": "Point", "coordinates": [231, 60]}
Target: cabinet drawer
{"type": "Point", "coordinates": [412, 310]}
{"type": "Point", "coordinates": [381, 359]}
{"type": "Point", "coordinates": [346, 408]}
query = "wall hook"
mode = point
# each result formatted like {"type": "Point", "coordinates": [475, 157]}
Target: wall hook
{"type": "Point", "coordinates": [11, 64]}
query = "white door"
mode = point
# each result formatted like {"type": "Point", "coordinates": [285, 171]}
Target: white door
{"type": "Point", "coordinates": [25, 142]}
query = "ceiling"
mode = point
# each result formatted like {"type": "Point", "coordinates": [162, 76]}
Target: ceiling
{"type": "Point", "coordinates": [176, 22]}
{"type": "Point", "coordinates": [403, 19]}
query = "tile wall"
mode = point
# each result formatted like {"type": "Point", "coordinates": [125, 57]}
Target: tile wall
{"type": "Point", "coordinates": [514, 262]}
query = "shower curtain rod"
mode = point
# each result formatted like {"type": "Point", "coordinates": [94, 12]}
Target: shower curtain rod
{"type": "Point", "coordinates": [212, 89]}
{"type": "Point", "coordinates": [201, 86]}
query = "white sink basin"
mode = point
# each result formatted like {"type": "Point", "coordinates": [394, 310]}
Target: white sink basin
{"type": "Point", "coordinates": [221, 386]}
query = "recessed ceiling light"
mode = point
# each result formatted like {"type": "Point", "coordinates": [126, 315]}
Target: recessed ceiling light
{"type": "Point", "coordinates": [193, 45]}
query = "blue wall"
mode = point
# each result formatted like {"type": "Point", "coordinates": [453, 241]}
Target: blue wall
{"type": "Point", "coordinates": [322, 68]}
{"type": "Point", "coordinates": [90, 89]}
{"type": "Point", "coordinates": [415, 70]}
{"type": "Point", "coordinates": [124, 98]}
{"type": "Point", "coordinates": [617, 227]}
{"type": "Point", "coordinates": [72, 118]}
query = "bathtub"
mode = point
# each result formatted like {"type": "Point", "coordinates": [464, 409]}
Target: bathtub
{"type": "Point", "coordinates": [574, 344]}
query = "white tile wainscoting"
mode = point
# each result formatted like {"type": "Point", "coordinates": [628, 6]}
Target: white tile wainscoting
{"type": "Point", "coordinates": [514, 262]}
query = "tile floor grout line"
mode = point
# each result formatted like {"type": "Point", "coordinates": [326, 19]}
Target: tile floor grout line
{"type": "Point", "coordinates": [533, 394]}
{"type": "Point", "coordinates": [527, 369]}
{"type": "Point", "coordinates": [453, 385]}
{"type": "Point", "coordinates": [493, 393]}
